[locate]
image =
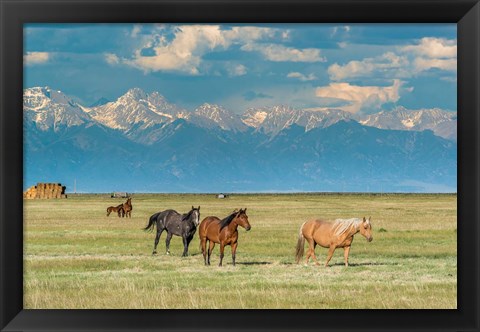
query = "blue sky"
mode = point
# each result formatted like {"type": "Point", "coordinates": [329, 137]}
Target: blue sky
{"type": "Point", "coordinates": [357, 67]}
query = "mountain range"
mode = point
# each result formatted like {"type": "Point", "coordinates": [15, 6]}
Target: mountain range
{"type": "Point", "coordinates": [141, 142]}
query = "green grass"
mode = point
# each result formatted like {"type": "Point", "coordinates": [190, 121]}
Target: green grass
{"type": "Point", "coordinates": [76, 257]}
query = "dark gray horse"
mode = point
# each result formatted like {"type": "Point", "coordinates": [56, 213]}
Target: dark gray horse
{"type": "Point", "coordinates": [184, 225]}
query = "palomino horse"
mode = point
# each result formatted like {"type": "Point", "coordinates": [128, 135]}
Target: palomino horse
{"type": "Point", "coordinates": [184, 225]}
{"type": "Point", "coordinates": [127, 208]}
{"type": "Point", "coordinates": [338, 234]}
{"type": "Point", "coordinates": [118, 209]}
{"type": "Point", "coordinates": [222, 231]}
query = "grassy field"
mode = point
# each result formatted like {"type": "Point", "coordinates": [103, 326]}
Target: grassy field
{"type": "Point", "coordinates": [76, 257]}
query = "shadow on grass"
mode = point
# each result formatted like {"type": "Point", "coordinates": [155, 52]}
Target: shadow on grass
{"type": "Point", "coordinates": [364, 264]}
{"type": "Point", "coordinates": [252, 263]}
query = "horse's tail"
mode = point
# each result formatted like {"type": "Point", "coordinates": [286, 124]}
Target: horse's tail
{"type": "Point", "coordinates": [151, 223]}
{"type": "Point", "coordinates": [109, 210]}
{"type": "Point", "coordinates": [300, 245]}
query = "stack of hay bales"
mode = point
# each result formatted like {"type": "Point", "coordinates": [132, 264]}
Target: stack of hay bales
{"type": "Point", "coordinates": [45, 191]}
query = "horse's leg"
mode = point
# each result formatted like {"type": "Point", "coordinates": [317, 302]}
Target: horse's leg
{"type": "Point", "coordinates": [234, 250]}
{"type": "Point", "coordinates": [203, 245]}
{"type": "Point", "coordinates": [346, 251]}
{"type": "Point", "coordinates": [167, 241]}
{"type": "Point", "coordinates": [313, 253]}
{"type": "Point", "coordinates": [189, 239]}
{"type": "Point", "coordinates": [157, 238]}
{"type": "Point", "coordinates": [211, 245]}
{"type": "Point", "coordinates": [222, 249]}
{"type": "Point", "coordinates": [311, 249]}
{"type": "Point", "coordinates": [185, 246]}
{"type": "Point", "coordinates": [331, 250]}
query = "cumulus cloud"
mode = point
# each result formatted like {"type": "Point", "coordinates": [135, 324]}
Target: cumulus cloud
{"type": "Point", "coordinates": [388, 62]}
{"type": "Point", "coordinates": [403, 62]}
{"type": "Point", "coordinates": [187, 44]}
{"type": "Point", "coordinates": [335, 30]}
{"type": "Point", "coordinates": [422, 64]}
{"type": "Point", "coordinates": [281, 53]}
{"type": "Point", "coordinates": [111, 59]}
{"type": "Point", "coordinates": [236, 70]}
{"type": "Point", "coordinates": [33, 58]}
{"type": "Point", "coordinates": [135, 31]}
{"type": "Point", "coordinates": [357, 97]}
{"type": "Point", "coordinates": [302, 77]}
{"type": "Point", "coordinates": [434, 48]}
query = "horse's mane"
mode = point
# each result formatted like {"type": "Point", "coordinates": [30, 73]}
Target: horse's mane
{"type": "Point", "coordinates": [340, 226]}
{"type": "Point", "coordinates": [186, 216]}
{"type": "Point", "coordinates": [227, 220]}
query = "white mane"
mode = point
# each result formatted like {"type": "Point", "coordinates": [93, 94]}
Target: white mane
{"type": "Point", "coordinates": [340, 226]}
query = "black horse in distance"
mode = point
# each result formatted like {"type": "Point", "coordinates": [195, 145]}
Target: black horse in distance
{"type": "Point", "coordinates": [184, 225]}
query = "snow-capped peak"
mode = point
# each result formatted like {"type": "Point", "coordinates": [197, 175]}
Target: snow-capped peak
{"type": "Point", "coordinates": [212, 115]}
{"type": "Point", "coordinates": [276, 118]}
{"type": "Point", "coordinates": [136, 107]}
{"type": "Point", "coordinates": [442, 123]}
{"type": "Point", "coordinates": [52, 109]}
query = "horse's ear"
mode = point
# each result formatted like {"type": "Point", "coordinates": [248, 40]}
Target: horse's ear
{"type": "Point", "coordinates": [369, 218]}
{"type": "Point", "coordinates": [198, 208]}
{"type": "Point", "coordinates": [245, 211]}
{"type": "Point", "coordinates": [364, 219]}
{"type": "Point", "coordinates": [192, 207]}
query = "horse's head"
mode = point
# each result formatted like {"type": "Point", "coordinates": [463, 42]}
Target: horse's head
{"type": "Point", "coordinates": [195, 213]}
{"type": "Point", "coordinates": [241, 219]}
{"type": "Point", "coordinates": [366, 229]}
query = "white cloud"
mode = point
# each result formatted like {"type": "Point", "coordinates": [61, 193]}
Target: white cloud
{"type": "Point", "coordinates": [345, 29]}
{"type": "Point", "coordinates": [236, 70]}
{"type": "Point", "coordinates": [182, 48]}
{"type": "Point", "coordinates": [189, 44]}
{"type": "Point", "coordinates": [434, 48]}
{"type": "Point", "coordinates": [402, 62]}
{"type": "Point", "coordinates": [431, 53]}
{"type": "Point", "coordinates": [33, 58]}
{"type": "Point", "coordinates": [135, 31]}
{"type": "Point", "coordinates": [281, 53]}
{"type": "Point", "coordinates": [302, 77]}
{"type": "Point", "coordinates": [388, 62]}
{"type": "Point", "coordinates": [111, 59]}
{"type": "Point", "coordinates": [422, 64]}
{"type": "Point", "coordinates": [359, 97]}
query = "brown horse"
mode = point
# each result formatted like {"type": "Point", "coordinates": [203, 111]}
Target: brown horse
{"type": "Point", "coordinates": [338, 234]}
{"type": "Point", "coordinates": [127, 208]}
{"type": "Point", "coordinates": [118, 209]}
{"type": "Point", "coordinates": [223, 231]}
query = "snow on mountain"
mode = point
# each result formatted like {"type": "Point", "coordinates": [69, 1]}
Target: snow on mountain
{"type": "Point", "coordinates": [136, 108]}
{"type": "Point", "coordinates": [211, 115]}
{"type": "Point", "coordinates": [51, 109]}
{"type": "Point", "coordinates": [275, 119]}
{"type": "Point", "coordinates": [141, 116]}
{"type": "Point", "coordinates": [442, 123]}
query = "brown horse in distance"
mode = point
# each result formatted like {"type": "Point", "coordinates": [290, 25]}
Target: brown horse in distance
{"type": "Point", "coordinates": [118, 209]}
{"type": "Point", "coordinates": [223, 231]}
{"type": "Point", "coordinates": [127, 208]}
{"type": "Point", "coordinates": [338, 234]}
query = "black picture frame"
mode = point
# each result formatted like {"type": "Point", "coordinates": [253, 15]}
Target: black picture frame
{"type": "Point", "coordinates": [466, 13]}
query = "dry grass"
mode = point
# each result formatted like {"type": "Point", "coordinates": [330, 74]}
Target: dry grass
{"type": "Point", "coordinates": [76, 257]}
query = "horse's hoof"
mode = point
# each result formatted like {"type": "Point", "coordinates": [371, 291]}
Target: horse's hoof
{"type": "Point", "coordinates": [154, 253]}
